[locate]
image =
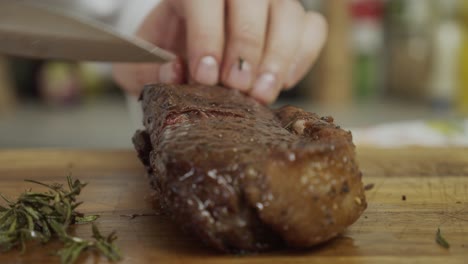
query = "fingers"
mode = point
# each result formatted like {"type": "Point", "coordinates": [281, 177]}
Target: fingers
{"type": "Point", "coordinates": [246, 31]}
{"type": "Point", "coordinates": [286, 22]}
{"type": "Point", "coordinates": [205, 38]}
{"type": "Point", "coordinates": [268, 45]}
{"type": "Point", "coordinates": [312, 41]}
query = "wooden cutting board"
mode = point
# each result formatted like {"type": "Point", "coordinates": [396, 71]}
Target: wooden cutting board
{"type": "Point", "coordinates": [392, 229]}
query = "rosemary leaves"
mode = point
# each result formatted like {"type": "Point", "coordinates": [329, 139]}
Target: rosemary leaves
{"type": "Point", "coordinates": [74, 246]}
{"type": "Point", "coordinates": [441, 240]}
{"type": "Point", "coordinates": [39, 217]}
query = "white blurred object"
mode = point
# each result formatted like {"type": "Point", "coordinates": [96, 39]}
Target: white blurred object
{"type": "Point", "coordinates": [417, 16]}
{"type": "Point", "coordinates": [414, 133]}
{"type": "Point", "coordinates": [102, 8]}
{"type": "Point", "coordinates": [447, 43]}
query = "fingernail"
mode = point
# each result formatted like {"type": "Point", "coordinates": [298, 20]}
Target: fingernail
{"type": "Point", "coordinates": [265, 87]}
{"type": "Point", "coordinates": [207, 71]}
{"type": "Point", "coordinates": [240, 75]}
{"type": "Point", "coordinates": [167, 73]}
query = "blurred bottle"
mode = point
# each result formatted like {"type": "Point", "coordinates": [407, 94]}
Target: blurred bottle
{"type": "Point", "coordinates": [462, 93]}
{"type": "Point", "coordinates": [408, 40]}
{"type": "Point", "coordinates": [367, 38]}
{"type": "Point", "coordinates": [445, 68]}
{"type": "Point", "coordinates": [334, 71]}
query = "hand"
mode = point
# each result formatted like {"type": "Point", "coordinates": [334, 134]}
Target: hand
{"type": "Point", "coordinates": [257, 46]}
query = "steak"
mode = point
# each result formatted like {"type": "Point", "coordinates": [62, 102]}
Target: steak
{"type": "Point", "coordinates": [243, 177]}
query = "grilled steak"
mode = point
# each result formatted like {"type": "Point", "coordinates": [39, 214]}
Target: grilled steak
{"type": "Point", "coordinates": [243, 177]}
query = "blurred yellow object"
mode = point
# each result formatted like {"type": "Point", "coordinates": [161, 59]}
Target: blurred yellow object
{"type": "Point", "coordinates": [59, 83]}
{"type": "Point", "coordinates": [95, 82]}
{"type": "Point", "coordinates": [446, 127]}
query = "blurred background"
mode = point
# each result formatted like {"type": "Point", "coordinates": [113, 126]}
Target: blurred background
{"type": "Point", "coordinates": [393, 71]}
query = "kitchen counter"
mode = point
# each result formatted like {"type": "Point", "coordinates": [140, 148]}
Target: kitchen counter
{"type": "Point", "coordinates": [415, 192]}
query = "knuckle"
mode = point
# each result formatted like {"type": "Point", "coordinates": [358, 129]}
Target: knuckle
{"type": "Point", "coordinates": [208, 40]}
{"type": "Point", "coordinates": [203, 35]}
{"type": "Point", "coordinates": [245, 36]}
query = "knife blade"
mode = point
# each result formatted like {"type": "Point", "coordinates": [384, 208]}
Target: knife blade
{"type": "Point", "coordinates": [31, 30]}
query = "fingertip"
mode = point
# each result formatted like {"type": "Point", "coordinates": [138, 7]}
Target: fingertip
{"type": "Point", "coordinates": [239, 76]}
{"type": "Point", "coordinates": [207, 71]}
{"type": "Point", "coordinates": [204, 21]}
{"type": "Point", "coordinates": [266, 88]}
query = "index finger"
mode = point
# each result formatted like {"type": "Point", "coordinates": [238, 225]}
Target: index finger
{"type": "Point", "coordinates": [204, 21]}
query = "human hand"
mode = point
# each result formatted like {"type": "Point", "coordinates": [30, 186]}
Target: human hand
{"type": "Point", "coordinates": [259, 47]}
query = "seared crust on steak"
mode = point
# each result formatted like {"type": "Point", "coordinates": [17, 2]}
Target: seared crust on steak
{"type": "Point", "coordinates": [243, 177]}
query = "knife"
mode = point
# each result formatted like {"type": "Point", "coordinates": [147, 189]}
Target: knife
{"type": "Point", "coordinates": [31, 30]}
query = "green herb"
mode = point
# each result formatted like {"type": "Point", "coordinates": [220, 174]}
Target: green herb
{"type": "Point", "coordinates": [40, 216]}
{"type": "Point", "coordinates": [241, 63]}
{"type": "Point", "coordinates": [440, 240]}
{"type": "Point", "coordinates": [86, 219]}
{"type": "Point", "coordinates": [133, 216]}
{"type": "Point", "coordinates": [74, 246]}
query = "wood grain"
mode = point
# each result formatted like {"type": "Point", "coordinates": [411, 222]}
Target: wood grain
{"type": "Point", "coordinates": [434, 182]}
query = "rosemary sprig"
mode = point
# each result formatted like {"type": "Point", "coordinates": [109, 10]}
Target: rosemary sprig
{"type": "Point", "coordinates": [86, 219]}
{"type": "Point", "coordinates": [441, 240]}
{"type": "Point", "coordinates": [74, 246]}
{"type": "Point", "coordinates": [40, 216]}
